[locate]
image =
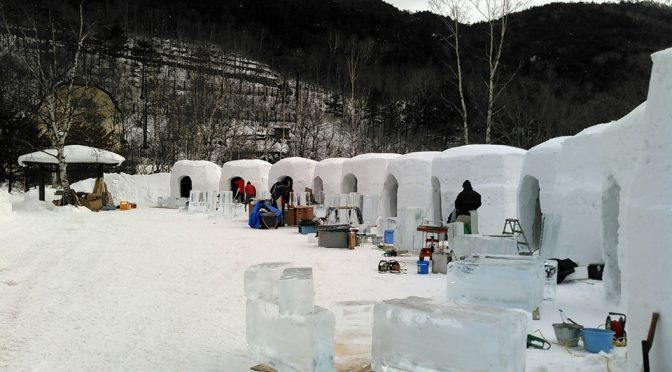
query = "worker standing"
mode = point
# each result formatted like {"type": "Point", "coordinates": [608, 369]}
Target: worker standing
{"type": "Point", "coordinates": [466, 201]}
{"type": "Point", "coordinates": [250, 192]}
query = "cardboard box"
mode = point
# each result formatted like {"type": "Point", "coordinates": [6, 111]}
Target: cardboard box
{"type": "Point", "coordinates": [304, 213]}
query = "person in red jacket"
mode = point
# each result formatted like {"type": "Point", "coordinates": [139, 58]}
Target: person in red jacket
{"type": "Point", "coordinates": [250, 192]}
{"type": "Point", "coordinates": [239, 192]}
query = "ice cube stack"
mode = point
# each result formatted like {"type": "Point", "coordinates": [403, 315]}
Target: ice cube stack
{"type": "Point", "coordinates": [284, 328]}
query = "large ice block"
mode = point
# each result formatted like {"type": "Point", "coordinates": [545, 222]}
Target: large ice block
{"type": "Point", "coordinates": [290, 342]}
{"type": "Point", "coordinates": [261, 281]}
{"type": "Point", "coordinates": [470, 244]}
{"type": "Point", "coordinates": [406, 236]}
{"type": "Point", "coordinates": [504, 282]}
{"type": "Point", "coordinates": [370, 209]}
{"type": "Point", "coordinates": [353, 334]}
{"type": "Point", "coordinates": [295, 291]}
{"type": "Point", "coordinates": [416, 334]}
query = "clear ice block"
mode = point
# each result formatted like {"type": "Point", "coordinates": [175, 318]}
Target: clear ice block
{"type": "Point", "coordinates": [504, 282]}
{"type": "Point", "coordinates": [470, 244]}
{"type": "Point", "coordinates": [295, 291]}
{"type": "Point", "coordinates": [261, 281]}
{"type": "Point", "coordinates": [353, 334]}
{"type": "Point", "coordinates": [416, 334]}
{"type": "Point", "coordinates": [406, 235]}
{"type": "Point", "coordinates": [290, 342]}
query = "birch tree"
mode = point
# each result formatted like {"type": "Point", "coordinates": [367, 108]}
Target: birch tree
{"type": "Point", "coordinates": [454, 14]}
{"type": "Point", "coordinates": [52, 53]}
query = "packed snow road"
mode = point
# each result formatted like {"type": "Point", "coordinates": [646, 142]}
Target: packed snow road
{"type": "Point", "coordinates": [154, 289]}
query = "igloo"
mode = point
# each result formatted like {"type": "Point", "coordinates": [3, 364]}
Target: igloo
{"type": "Point", "coordinates": [494, 172]}
{"type": "Point", "coordinates": [645, 223]}
{"type": "Point", "coordinates": [253, 170]}
{"type": "Point", "coordinates": [407, 183]}
{"type": "Point", "coordinates": [187, 175]}
{"type": "Point", "coordinates": [300, 170]}
{"type": "Point", "coordinates": [327, 176]}
{"type": "Point", "coordinates": [365, 174]}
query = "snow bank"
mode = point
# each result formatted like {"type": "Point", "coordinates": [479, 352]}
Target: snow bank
{"type": "Point", "coordinates": [253, 170]}
{"type": "Point", "coordinates": [142, 189]}
{"type": "Point", "coordinates": [299, 169]}
{"type": "Point", "coordinates": [494, 172]}
{"type": "Point", "coordinates": [187, 175]}
{"type": "Point", "coordinates": [73, 154]}
{"type": "Point", "coordinates": [408, 184]}
{"type": "Point", "coordinates": [365, 174]}
{"type": "Point", "coordinates": [327, 176]}
{"type": "Point", "coordinates": [5, 204]}
{"type": "Point", "coordinates": [646, 219]}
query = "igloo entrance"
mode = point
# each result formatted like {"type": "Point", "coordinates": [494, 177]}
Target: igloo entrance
{"type": "Point", "coordinates": [531, 217]}
{"type": "Point", "coordinates": [610, 230]}
{"type": "Point", "coordinates": [390, 190]}
{"type": "Point", "coordinates": [318, 190]}
{"type": "Point", "coordinates": [185, 186]}
{"type": "Point", "coordinates": [349, 184]}
{"type": "Point", "coordinates": [436, 199]}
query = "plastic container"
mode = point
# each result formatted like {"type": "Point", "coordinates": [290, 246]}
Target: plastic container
{"type": "Point", "coordinates": [423, 267]}
{"type": "Point", "coordinates": [596, 339]}
{"type": "Point", "coordinates": [389, 237]}
{"type": "Point", "coordinates": [567, 334]}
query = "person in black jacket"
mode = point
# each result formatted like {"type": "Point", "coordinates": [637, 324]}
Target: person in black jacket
{"type": "Point", "coordinates": [467, 200]}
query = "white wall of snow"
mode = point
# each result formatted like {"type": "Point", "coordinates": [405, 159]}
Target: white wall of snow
{"type": "Point", "coordinates": [369, 172]}
{"type": "Point", "coordinates": [327, 176]}
{"type": "Point", "coordinates": [253, 170]}
{"type": "Point", "coordinates": [494, 172]}
{"type": "Point", "coordinates": [408, 184]}
{"type": "Point", "coordinates": [5, 204]}
{"type": "Point", "coordinates": [301, 171]}
{"type": "Point", "coordinates": [645, 223]}
{"type": "Point", "coordinates": [204, 175]}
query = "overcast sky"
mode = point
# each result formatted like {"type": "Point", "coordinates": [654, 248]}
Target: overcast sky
{"type": "Point", "coordinates": [418, 5]}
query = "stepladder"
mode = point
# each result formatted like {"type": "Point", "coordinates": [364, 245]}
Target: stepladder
{"type": "Point", "coordinates": [513, 228]}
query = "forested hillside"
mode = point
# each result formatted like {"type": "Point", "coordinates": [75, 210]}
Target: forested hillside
{"type": "Point", "coordinates": [220, 80]}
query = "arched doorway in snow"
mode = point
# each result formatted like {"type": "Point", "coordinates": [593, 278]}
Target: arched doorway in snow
{"type": "Point", "coordinates": [436, 199]}
{"type": "Point", "coordinates": [235, 183]}
{"type": "Point", "coordinates": [185, 186]}
{"type": "Point", "coordinates": [349, 184]}
{"type": "Point", "coordinates": [318, 190]}
{"type": "Point", "coordinates": [390, 189]}
{"type": "Point", "coordinates": [611, 197]}
{"type": "Point", "coordinates": [531, 218]}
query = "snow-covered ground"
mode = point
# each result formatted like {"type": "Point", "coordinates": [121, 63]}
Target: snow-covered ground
{"type": "Point", "coordinates": [158, 289]}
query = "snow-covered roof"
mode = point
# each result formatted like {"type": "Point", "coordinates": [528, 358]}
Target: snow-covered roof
{"type": "Point", "coordinates": [73, 154]}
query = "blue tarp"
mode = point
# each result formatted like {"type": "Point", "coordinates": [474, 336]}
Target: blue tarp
{"type": "Point", "coordinates": [255, 216]}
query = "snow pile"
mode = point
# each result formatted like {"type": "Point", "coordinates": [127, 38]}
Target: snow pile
{"type": "Point", "coordinates": [365, 174]}
{"type": "Point", "coordinates": [198, 175]}
{"type": "Point", "coordinates": [408, 183]}
{"type": "Point", "coordinates": [73, 154]}
{"type": "Point", "coordinates": [142, 189]}
{"type": "Point", "coordinates": [253, 170]}
{"type": "Point", "coordinates": [327, 176]}
{"type": "Point", "coordinates": [5, 204]}
{"type": "Point", "coordinates": [299, 169]}
{"type": "Point", "coordinates": [494, 172]}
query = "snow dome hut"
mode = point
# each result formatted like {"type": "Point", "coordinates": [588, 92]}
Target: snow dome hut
{"type": "Point", "coordinates": [408, 183]}
{"type": "Point", "coordinates": [365, 174]}
{"type": "Point", "coordinates": [187, 175]}
{"type": "Point", "coordinates": [298, 170]}
{"type": "Point", "coordinates": [327, 176]}
{"type": "Point", "coordinates": [253, 170]}
{"type": "Point", "coordinates": [494, 172]}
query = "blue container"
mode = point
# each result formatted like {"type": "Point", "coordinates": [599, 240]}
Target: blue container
{"type": "Point", "coordinates": [597, 339]}
{"type": "Point", "coordinates": [389, 237]}
{"type": "Point", "coordinates": [423, 267]}
{"type": "Point", "coordinates": [307, 229]}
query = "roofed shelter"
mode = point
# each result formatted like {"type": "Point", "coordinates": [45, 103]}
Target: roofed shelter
{"type": "Point", "coordinates": [79, 159]}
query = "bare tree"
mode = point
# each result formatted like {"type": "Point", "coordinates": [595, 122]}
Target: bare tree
{"type": "Point", "coordinates": [53, 62]}
{"type": "Point", "coordinates": [496, 15]}
{"type": "Point", "coordinates": [454, 13]}
{"type": "Point", "coordinates": [357, 54]}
